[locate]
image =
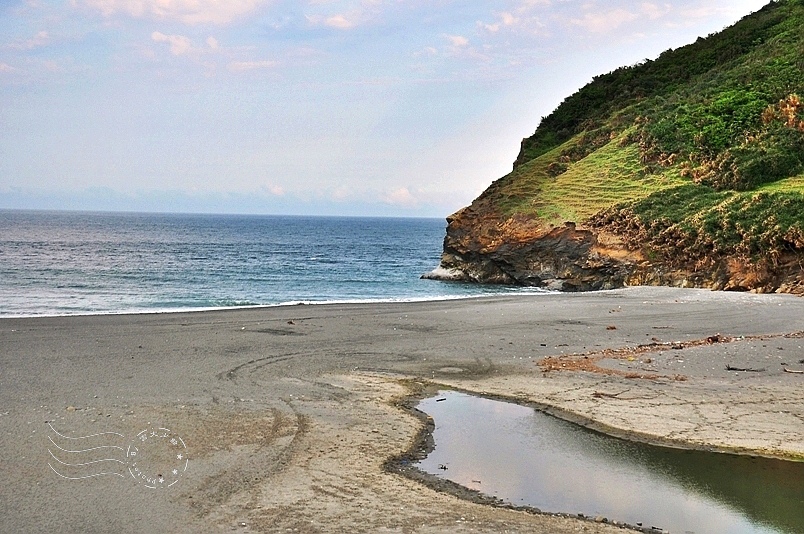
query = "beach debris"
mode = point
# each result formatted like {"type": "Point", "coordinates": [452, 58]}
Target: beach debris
{"type": "Point", "coordinates": [602, 394]}
{"type": "Point", "coordinates": [786, 370]}
{"type": "Point", "coordinates": [745, 369]}
{"type": "Point", "coordinates": [442, 467]}
{"type": "Point", "coordinates": [440, 400]}
{"type": "Point", "coordinates": [291, 322]}
{"type": "Point", "coordinates": [611, 327]}
{"type": "Point", "coordinates": [588, 361]}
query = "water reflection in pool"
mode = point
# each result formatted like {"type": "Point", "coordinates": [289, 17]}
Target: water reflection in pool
{"type": "Point", "coordinates": [529, 458]}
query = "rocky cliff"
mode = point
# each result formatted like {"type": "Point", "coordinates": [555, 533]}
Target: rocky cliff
{"type": "Point", "coordinates": [480, 249]}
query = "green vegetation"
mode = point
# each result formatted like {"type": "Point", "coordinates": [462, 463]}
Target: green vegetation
{"type": "Point", "coordinates": [680, 72]}
{"type": "Point", "coordinates": [702, 147]}
{"type": "Point", "coordinates": [703, 222]}
{"type": "Point", "coordinates": [608, 175]}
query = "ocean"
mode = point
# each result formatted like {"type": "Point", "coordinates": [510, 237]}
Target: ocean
{"type": "Point", "coordinates": [78, 263]}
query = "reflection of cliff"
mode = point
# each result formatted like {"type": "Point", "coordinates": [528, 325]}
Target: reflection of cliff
{"type": "Point", "coordinates": [768, 491]}
{"type": "Point", "coordinates": [687, 170]}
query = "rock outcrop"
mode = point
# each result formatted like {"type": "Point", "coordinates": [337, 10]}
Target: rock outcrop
{"type": "Point", "coordinates": [483, 247]}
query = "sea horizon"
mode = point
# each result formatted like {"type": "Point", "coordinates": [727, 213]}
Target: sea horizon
{"type": "Point", "coordinates": [215, 213]}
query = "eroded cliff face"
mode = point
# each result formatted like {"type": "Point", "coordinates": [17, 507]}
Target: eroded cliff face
{"type": "Point", "coordinates": [484, 247]}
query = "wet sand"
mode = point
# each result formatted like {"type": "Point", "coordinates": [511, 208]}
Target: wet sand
{"type": "Point", "coordinates": [289, 413]}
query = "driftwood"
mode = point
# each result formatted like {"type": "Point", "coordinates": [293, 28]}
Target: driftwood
{"type": "Point", "coordinates": [745, 370]}
{"type": "Point", "coordinates": [601, 394]}
{"type": "Point", "coordinates": [604, 395]}
{"type": "Point", "coordinates": [786, 370]}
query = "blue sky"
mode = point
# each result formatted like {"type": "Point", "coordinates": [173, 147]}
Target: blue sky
{"type": "Point", "coordinates": [336, 107]}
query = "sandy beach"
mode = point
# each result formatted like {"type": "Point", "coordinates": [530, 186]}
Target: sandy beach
{"type": "Point", "coordinates": [288, 414]}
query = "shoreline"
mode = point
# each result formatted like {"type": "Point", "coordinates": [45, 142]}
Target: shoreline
{"type": "Point", "coordinates": [290, 412]}
{"type": "Point", "coordinates": [520, 291]}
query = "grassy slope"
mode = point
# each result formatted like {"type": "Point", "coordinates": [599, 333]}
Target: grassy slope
{"type": "Point", "coordinates": [717, 138]}
{"type": "Point", "coordinates": [609, 175]}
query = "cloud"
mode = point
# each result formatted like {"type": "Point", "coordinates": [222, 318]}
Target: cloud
{"type": "Point", "coordinates": [5, 67]}
{"type": "Point", "coordinates": [503, 19]}
{"type": "Point", "coordinates": [522, 19]}
{"type": "Point", "coordinates": [428, 51]}
{"type": "Point", "coordinates": [529, 4]}
{"type": "Point", "coordinates": [37, 41]}
{"type": "Point", "coordinates": [179, 44]}
{"type": "Point", "coordinates": [340, 22]}
{"type": "Point", "coordinates": [458, 41]}
{"type": "Point", "coordinates": [341, 194]}
{"type": "Point", "coordinates": [275, 190]}
{"type": "Point", "coordinates": [606, 21]}
{"type": "Point", "coordinates": [186, 11]}
{"type": "Point", "coordinates": [459, 47]}
{"type": "Point", "coordinates": [401, 197]}
{"type": "Point", "coordinates": [53, 66]}
{"type": "Point", "coordinates": [654, 11]}
{"type": "Point", "coordinates": [348, 14]}
{"type": "Point", "coordinates": [508, 19]}
{"type": "Point", "coordinates": [242, 66]}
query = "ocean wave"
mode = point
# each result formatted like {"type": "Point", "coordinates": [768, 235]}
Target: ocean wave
{"type": "Point", "coordinates": [238, 305]}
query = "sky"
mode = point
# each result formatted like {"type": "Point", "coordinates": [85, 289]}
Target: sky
{"type": "Point", "coordinates": [310, 107]}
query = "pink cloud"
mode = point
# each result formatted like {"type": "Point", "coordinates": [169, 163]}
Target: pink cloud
{"type": "Point", "coordinates": [401, 197]}
{"type": "Point", "coordinates": [186, 11]}
{"type": "Point", "coordinates": [242, 66]}
{"type": "Point", "coordinates": [340, 22]}
{"type": "Point", "coordinates": [37, 41]}
{"type": "Point", "coordinates": [179, 44]}
{"type": "Point", "coordinates": [605, 21]}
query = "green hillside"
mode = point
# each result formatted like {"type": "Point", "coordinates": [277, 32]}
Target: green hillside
{"type": "Point", "coordinates": [704, 144]}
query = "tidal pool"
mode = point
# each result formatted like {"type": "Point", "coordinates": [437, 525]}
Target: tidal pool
{"type": "Point", "coordinates": [526, 457]}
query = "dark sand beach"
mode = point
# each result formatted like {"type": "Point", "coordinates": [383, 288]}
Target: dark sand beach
{"type": "Point", "coordinates": [288, 414]}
